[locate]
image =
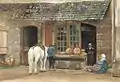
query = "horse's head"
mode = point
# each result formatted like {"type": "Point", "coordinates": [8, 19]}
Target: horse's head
{"type": "Point", "coordinates": [46, 49]}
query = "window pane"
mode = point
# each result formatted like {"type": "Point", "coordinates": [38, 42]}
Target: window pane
{"type": "Point", "coordinates": [61, 39]}
{"type": "Point", "coordinates": [74, 34]}
{"type": "Point", "coordinates": [62, 36]}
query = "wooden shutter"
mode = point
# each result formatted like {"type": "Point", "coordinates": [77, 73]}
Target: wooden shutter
{"type": "Point", "coordinates": [3, 41]}
{"type": "Point", "coordinates": [48, 34]}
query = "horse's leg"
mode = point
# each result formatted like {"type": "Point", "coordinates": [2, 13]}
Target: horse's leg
{"type": "Point", "coordinates": [30, 61]}
{"type": "Point", "coordinates": [30, 66]}
{"type": "Point", "coordinates": [44, 64]}
{"type": "Point", "coordinates": [36, 63]}
{"type": "Point", "coordinates": [41, 64]}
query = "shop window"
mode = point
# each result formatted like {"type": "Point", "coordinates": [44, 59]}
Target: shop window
{"type": "Point", "coordinates": [74, 34]}
{"type": "Point", "coordinates": [67, 35]}
{"type": "Point", "coordinates": [61, 39]}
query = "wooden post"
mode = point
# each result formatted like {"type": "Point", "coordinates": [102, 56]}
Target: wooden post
{"type": "Point", "coordinates": [113, 31]}
{"type": "Point", "coordinates": [114, 61]}
{"type": "Point", "coordinates": [67, 35]}
{"type": "Point", "coordinates": [39, 34]}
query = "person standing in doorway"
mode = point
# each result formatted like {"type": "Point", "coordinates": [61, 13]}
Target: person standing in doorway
{"type": "Point", "coordinates": [90, 55]}
{"type": "Point", "coordinates": [51, 55]}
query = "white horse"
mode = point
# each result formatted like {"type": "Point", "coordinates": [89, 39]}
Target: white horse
{"type": "Point", "coordinates": [36, 54]}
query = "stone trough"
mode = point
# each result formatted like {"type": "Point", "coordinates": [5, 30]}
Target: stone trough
{"type": "Point", "coordinates": [70, 61]}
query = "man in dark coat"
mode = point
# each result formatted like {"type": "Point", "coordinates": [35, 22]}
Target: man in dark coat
{"type": "Point", "coordinates": [51, 55]}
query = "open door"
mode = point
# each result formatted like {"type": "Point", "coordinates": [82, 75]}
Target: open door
{"type": "Point", "coordinates": [28, 39]}
{"type": "Point", "coordinates": [88, 34]}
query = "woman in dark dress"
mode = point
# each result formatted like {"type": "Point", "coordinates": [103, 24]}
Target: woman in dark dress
{"type": "Point", "coordinates": [90, 55]}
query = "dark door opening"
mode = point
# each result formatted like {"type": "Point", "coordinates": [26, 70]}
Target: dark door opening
{"type": "Point", "coordinates": [30, 36]}
{"type": "Point", "coordinates": [28, 39]}
{"type": "Point", "coordinates": [89, 36]}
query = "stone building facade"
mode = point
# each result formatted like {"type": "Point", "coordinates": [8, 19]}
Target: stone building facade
{"type": "Point", "coordinates": [14, 17]}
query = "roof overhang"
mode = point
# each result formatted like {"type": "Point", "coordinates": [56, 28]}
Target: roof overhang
{"type": "Point", "coordinates": [85, 10]}
{"type": "Point", "coordinates": [43, 1]}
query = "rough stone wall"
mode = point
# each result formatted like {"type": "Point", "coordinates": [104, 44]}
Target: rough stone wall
{"type": "Point", "coordinates": [116, 68]}
{"type": "Point", "coordinates": [14, 37]}
{"type": "Point", "coordinates": [104, 36]}
{"type": "Point", "coordinates": [14, 47]}
{"type": "Point", "coordinates": [116, 63]}
{"type": "Point", "coordinates": [65, 64]}
{"type": "Point", "coordinates": [117, 43]}
{"type": "Point", "coordinates": [14, 41]}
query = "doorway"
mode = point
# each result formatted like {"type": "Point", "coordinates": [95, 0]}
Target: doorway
{"type": "Point", "coordinates": [88, 35]}
{"type": "Point", "coordinates": [30, 36]}
{"type": "Point", "coordinates": [28, 39]}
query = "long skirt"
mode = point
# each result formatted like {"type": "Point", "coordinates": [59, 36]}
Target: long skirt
{"type": "Point", "coordinates": [90, 59]}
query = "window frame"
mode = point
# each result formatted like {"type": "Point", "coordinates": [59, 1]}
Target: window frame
{"type": "Point", "coordinates": [66, 24]}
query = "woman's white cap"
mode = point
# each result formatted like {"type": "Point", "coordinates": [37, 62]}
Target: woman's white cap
{"type": "Point", "coordinates": [90, 44]}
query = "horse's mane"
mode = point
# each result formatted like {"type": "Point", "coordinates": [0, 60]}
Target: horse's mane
{"type": "Point", "coordinates": [42, 47]}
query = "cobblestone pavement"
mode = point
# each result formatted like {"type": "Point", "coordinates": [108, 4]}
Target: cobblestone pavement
{"type": "Point", "coordinates": [20, 74]}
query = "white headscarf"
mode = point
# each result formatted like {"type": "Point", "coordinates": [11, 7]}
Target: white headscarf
{"type": "Point", "coordinates": [90, 44]}
{"type": "Point", "coordinates": [103, 57]}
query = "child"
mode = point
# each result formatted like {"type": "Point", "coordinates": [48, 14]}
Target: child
{"type": "Point", "coordinates": [76, 50]}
